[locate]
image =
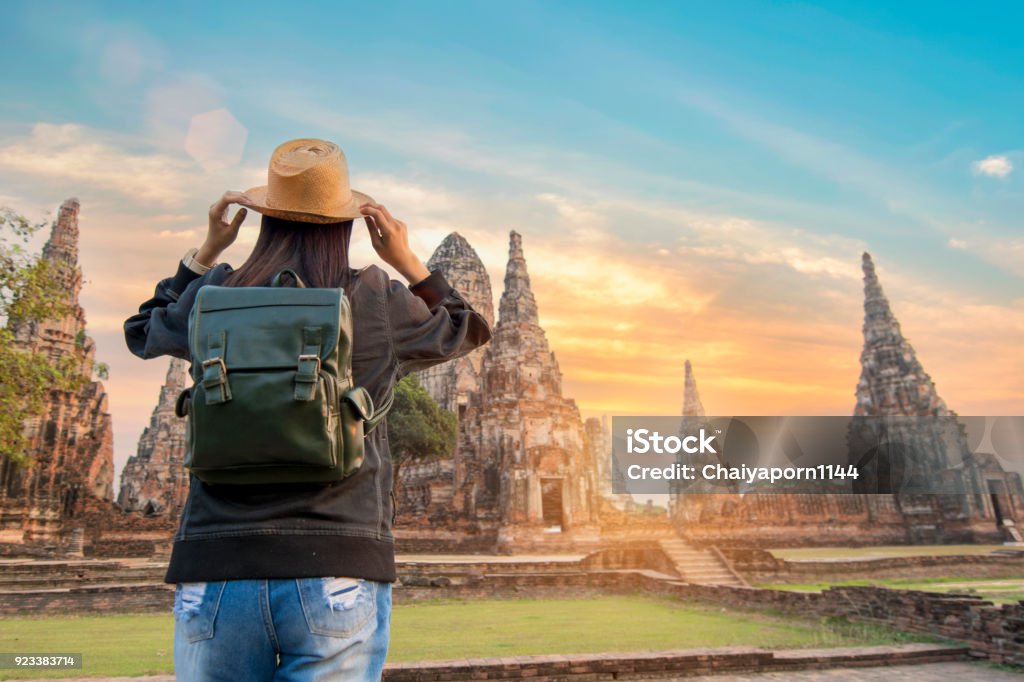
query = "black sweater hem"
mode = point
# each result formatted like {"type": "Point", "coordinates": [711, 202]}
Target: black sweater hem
{"type": "Point", "coordinates": [281, 556]}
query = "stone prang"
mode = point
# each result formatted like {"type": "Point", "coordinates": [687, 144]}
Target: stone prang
{"type": "Point", "coordinates": [894, 384]}
{"type": "Point", "coordinates": [892, 380]}
{"type": "Point", "coordinates": [451, 383]}
{"type": "Point", "coordinates": [692, 406]}
{"type": "Point", "coordinates": [71, 443]}
{"type": "Point", "coordinates": [154, 480]}
{"type": "Point", "coordinates": [523, 460]}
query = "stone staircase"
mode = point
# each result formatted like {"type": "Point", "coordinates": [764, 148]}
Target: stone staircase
{"type": "Point", "coordinates": [1011, 530]}
{"type": "Point", "coordinates": [700, 566]}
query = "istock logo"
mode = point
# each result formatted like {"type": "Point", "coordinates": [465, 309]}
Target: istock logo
{"type": "Point", "coordinates": [643, 441]}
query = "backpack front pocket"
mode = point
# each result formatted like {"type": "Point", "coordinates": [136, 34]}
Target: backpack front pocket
{"type": "Point", "coordinates": [268, 428]}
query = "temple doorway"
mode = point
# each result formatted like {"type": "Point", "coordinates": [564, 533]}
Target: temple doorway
{"type": "Point", "coordinates": [551, 504]}
{"type": "Point", "coordinates": [997, 493]}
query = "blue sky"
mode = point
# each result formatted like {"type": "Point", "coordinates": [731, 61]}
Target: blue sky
{"type": "Point", "coordinates": [794, 106]}
{"type": "Point", "coordinates": [721, 163]}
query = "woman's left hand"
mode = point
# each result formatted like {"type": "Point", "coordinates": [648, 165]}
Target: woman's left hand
{"type": "Point", "coordinates": [221, 233]}
{"type": "Point", "coordinates": [390, 239]}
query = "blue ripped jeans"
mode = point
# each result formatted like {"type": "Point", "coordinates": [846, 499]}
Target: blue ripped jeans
{"type": "Point", "coordinates": [286, 630]}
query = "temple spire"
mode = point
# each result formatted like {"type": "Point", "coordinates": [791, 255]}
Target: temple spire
{"type": "Point", "coordinates": [154, 480]}
{"type": "Point", "coordinates": [61, 248]}
{"type": "Point", "coordinates": [64, 336]}
{"type": "Point", "coordinates": [517, 302]}
{"type": "Point", "coordinates": [892, 380]}
{"type": "Point", "coordinates": [692, 406]}
{"type": "Point", "coordinates": [877, 311]}
{"type": "Point", "coordinates": [177, 376]}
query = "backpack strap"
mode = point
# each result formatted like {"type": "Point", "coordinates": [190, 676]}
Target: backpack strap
{"type": "Point", "coordinates": [276, 282]}
{"type": "Point", "coordinates": [181, 404]}
{"type": "Point", "coordinates": [215, 372]}
{"type": "Point", "coordinates": [379, 413]}
{"type": "Point", "coordinates": [308, 365]}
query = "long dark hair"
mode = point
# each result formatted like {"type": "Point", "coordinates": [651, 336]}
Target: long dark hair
{"type": "Point", "coordinates": [318, 252]}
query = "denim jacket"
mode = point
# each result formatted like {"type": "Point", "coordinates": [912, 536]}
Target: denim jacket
{"type": "Point", "coordinates": [308, 530]}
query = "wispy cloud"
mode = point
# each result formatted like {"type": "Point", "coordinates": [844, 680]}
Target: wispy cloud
{"type": "Point", "coordinates": [74, 153]}
{"type": "Point", "coordinates": [571, 211]}
{"type": "Point", "coordinates": [994, 166]}
{"type": "Point", "coordinates": [179, 234]}
{"type": "Point", "coordinates": [1005, 251]}
{"type": "Point", "coordinates": [900, 192]}
{"type": "Point", "coordinates": [118, 164]}
{"type": "Point", "coordinates": [723, 238]}
{"type": "Point", "coordinates": [825, 157]}
{"type": "Point", "coordinates": [408, 195]}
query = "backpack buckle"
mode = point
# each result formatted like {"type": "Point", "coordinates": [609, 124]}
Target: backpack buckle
{"type": "Point", "coordinates": [307, 376]}
{"type": "Point", "coordinates": [215, 361]}
{"type": "Point", "coordinates": [305, 357]}
{"type": "Point", "coordinates": [215, 376]}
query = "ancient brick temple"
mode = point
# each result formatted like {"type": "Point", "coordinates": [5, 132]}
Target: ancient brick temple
{"type": "Point", "coordinates": [527, 463]}
{"type": "Point", "coordinates": [894, 384]}
{"type": "Point", "coordinates": [984, 502]}
{"type": "Point", "coordinates": [892, 380]}
{"type": "Point", "coordinates": [72, 442]}
{"type": "Point", "coordinates": [154, 480]}
{"type": "Point", "coordinates": [524, 472]}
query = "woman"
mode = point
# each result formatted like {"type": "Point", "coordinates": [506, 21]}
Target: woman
{"type": "Point", "coordinates": [293, 581]}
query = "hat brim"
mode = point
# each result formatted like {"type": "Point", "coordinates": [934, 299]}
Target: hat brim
{"type": "Point", "coordinates": [256, 199]}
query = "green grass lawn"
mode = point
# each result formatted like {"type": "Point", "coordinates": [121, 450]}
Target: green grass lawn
{"type": "Point", "coordinates": [854, 553]}
{"type": "Point", "coordinates": [141, 644]}
{"type": "Point", "coordinates": [110, 645]}
{"type": "Point", "coordinates": [624, 623]}
{"type": "Point", "coordinates": [998, 590]}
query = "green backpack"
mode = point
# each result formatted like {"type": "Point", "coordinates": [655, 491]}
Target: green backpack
{"type": "Point", "coordinates": [273, 399]}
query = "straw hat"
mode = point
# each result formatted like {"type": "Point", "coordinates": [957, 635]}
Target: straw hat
{"type": "Point", "coordinates": [307, 181]}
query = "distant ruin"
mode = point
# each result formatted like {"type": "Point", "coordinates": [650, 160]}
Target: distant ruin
{"type": "Point", "coordinates": [892, 384]}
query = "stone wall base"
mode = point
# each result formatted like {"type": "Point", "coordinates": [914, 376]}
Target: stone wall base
{"type": "Point", "coordinates": [660, 664]}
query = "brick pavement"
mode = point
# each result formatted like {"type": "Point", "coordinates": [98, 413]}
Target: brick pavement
{"type": "Point", "coordinates": [730, 663]}
{"type": "Point", "coordinates": [928, 672]}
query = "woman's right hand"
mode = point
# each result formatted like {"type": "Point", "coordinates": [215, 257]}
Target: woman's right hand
{"type": "Point", "coordinates": [221, 233]}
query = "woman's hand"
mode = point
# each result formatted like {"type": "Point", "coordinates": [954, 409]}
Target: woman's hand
{"type": "Point", "coordinates": [221, 233]}
{"type": "Point", "coordinates": [390, 239]}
